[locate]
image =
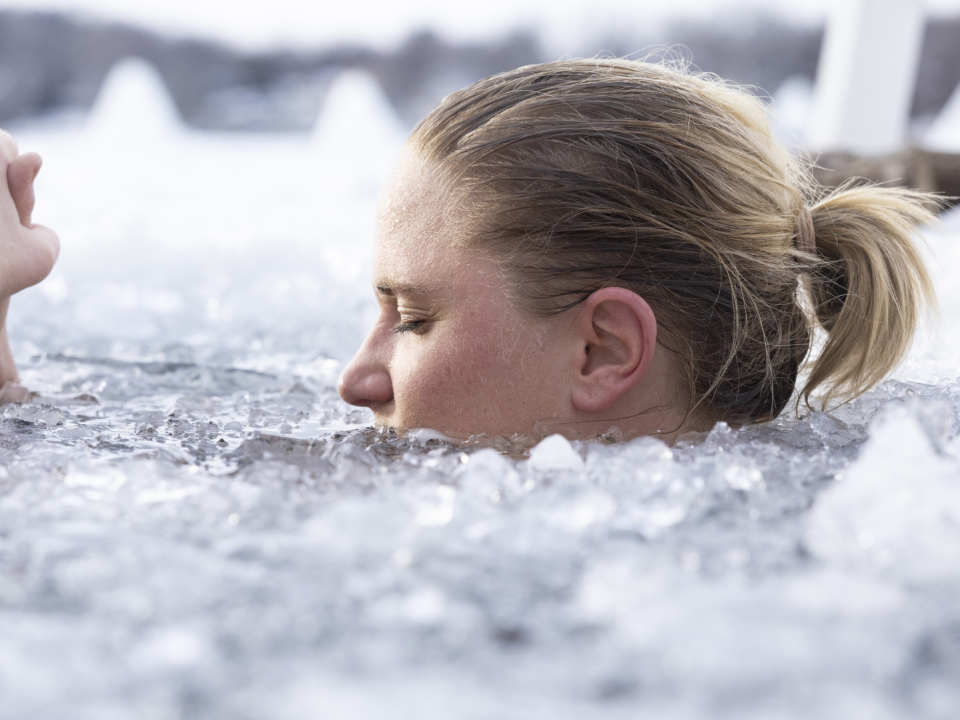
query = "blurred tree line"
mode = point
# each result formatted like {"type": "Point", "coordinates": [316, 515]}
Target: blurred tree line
{"type": "Point", "coordinates": [53, 62]}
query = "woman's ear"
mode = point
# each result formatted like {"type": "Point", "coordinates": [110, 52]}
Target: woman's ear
{"type": "Point", "coordinates": [617, 331]}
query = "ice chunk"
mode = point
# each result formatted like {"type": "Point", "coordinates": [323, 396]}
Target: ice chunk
{"type": "Point", "coordinates": [422, 435]}
{"type": "Point", "coordinates": [435, 506]}
{"type": "Point", "coordinates": [578, 508]}
{"type": "Point", "coordinates": [896, 509]}
{"type": "Point", "coordinates": [159, 558]}
{"type": "Point", "coordinates": [490, 477]}
{"type": "Point", "coordinates": [177, 647]}
{"type": "Point", "coordinates": [110, 479]}
{"type": "Point", "coordinates": [298, 388]}
{"type": "Point", "coordinates": [555, 453]}
{"type": "Point", "coordinates": [39, 414]}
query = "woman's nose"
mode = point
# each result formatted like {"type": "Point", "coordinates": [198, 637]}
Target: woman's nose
{"type": "Point", "coordinates": [365, 381]}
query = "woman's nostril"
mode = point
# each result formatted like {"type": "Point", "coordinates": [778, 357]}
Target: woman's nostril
{"type": "Point", "coordinates": [365, 387]}
{"type": "Point", "coordinates": [377, 388]}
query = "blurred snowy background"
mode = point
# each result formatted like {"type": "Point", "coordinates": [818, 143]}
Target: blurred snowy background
{"type": "Point", "coordinates": [192, 525]}
{"type": "Point", "coordinates": [267, 66]}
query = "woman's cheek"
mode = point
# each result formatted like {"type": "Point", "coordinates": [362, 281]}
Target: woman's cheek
{"type": "Point", "coordinates": [417, 371]}
{"type": "Point", "coordinates": [433, 366]}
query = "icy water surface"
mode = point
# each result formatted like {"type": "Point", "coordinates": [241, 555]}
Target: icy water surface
{"type": "Point", "coordinates": [192, 525]}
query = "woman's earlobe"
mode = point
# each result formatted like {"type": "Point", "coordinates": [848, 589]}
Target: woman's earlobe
{"type": "Point", "coordinates": [619, 334]}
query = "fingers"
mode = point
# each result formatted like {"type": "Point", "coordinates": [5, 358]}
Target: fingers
{"type": "Point", "coordinates": [20, 176]}
{"type": "Point", "coordinates": [8, 153]}
{"type": "Point", "coordinates": [48, 246]}
{"type": "Point", "coordinates": [29, 260]}
{"type": "Point", "coordinates": [8, 148]}
{"type": "Point", "coordinates": [28, 251]}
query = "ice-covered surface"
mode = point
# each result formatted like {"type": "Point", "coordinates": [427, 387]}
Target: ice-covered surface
{"type": "Point", "coordinates": [192, 525]}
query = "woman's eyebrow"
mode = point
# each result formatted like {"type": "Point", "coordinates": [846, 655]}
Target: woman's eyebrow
{"type": "Point", "coordinates": [392, 289]}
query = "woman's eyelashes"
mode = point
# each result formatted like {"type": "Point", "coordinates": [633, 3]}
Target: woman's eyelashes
{"type": "Point", "coordinates": [412, 319]}
{"type": "Point", "coordinates": [417, 326]}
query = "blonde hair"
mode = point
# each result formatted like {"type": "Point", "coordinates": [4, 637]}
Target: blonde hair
{"type": "Point", "coordinates": [577, 175]}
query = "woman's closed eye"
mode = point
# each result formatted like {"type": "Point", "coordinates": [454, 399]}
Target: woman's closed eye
{"type": "Point", "coordinates": [414, 318]}
{"type": "Point", "coordinates": [414, 326]}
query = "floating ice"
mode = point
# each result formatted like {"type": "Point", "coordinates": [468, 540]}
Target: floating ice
{"type": "Point", "coordinates": [40, 414]}
{"type": "Point", "coordinates": [897, 508]}
{"type": "Point", "coordinates": [193, 524]}
{"type": "Point", "coordinates": [555, 453]}
{"type": "Point", "coordinates": [424, 434]}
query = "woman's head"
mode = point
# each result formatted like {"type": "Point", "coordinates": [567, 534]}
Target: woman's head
{"type": "Point", "coordinates": [624, 217]}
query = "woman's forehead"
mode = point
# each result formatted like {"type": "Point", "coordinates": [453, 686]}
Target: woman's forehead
{"type": "Point", "coordinates": [410, 214]}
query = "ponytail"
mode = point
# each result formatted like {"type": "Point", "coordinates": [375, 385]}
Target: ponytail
{"type": "Point", "coordinates": [869, 287]}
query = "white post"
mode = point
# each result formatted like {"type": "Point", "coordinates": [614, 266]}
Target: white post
{"type": "Point", "coordinates": [866, 76]}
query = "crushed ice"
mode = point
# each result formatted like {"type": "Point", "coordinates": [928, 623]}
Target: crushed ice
{"type": "Point", "coordinates": [193, 525]}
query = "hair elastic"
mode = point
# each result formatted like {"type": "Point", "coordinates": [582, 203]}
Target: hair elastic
{"type": "Point", "coordinates": [806, 236]}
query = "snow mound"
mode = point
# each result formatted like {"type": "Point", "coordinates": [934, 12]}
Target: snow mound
{"type": "Point", "coordinates": [356, 121]}
{"type": "Point", "coordinates": [133, 106]}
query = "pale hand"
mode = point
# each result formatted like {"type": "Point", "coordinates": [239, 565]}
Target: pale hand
{"type": "Point", "coordinates": [27, 251]}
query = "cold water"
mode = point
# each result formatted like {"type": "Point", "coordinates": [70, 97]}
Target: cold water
{"type": "Point", "coordinates": [193, 525]}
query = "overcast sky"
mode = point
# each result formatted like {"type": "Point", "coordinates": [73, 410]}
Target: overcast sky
{"type": "Point", "coordinates": [308, 23]}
